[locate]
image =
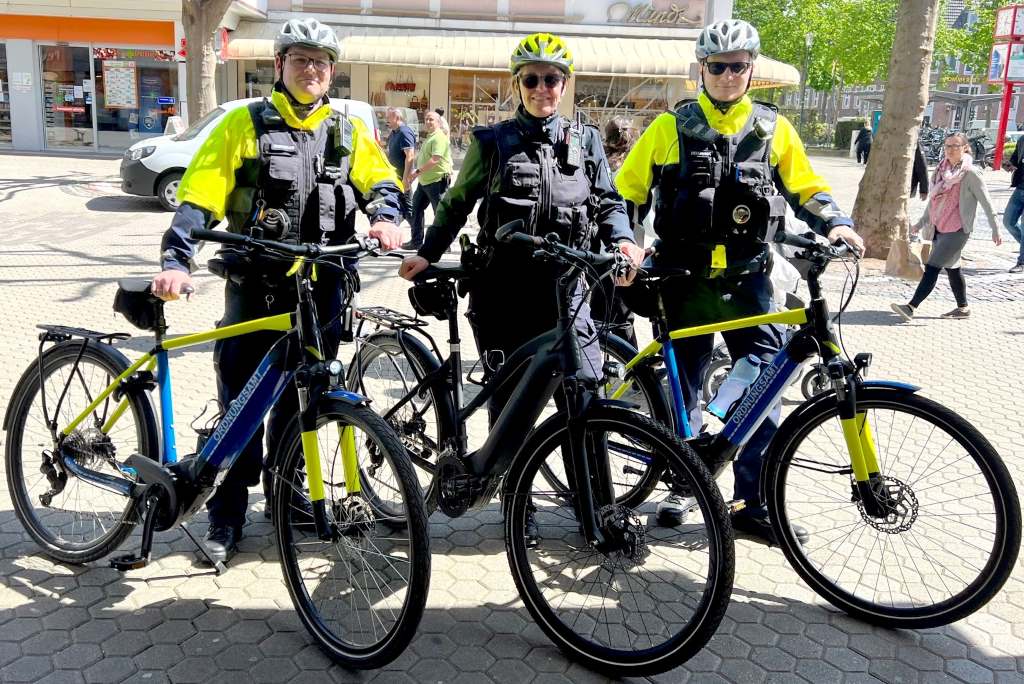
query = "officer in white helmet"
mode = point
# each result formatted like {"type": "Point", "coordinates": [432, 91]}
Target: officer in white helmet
{"type": "Point", "coordinates": [725, 167]}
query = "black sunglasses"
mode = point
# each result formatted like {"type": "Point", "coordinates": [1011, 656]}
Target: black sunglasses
{"type": "Point", "coordinates": [718, 68]}
{"type": "Point", "coordinates": [531, 81]}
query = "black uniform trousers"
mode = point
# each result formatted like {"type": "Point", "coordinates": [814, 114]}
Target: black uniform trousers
{"type": "Point", "coordinates": [236, 358]}
{"type": "Point", "coordinates": [691, 302]}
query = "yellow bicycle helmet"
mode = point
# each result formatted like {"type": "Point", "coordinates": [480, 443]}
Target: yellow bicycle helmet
{"type": "Point", "coordinates": [541, 48]}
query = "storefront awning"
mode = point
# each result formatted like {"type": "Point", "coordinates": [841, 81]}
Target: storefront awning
{"type": "Point", "coordinates": [641, 57]}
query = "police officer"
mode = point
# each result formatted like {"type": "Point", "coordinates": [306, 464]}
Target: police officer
{"type": "Point", "coordinates": [298, 170]}
{"type": "Point", "coordinates": [552, 173]}
{"type": "Point", "coordinates": [724, 168]}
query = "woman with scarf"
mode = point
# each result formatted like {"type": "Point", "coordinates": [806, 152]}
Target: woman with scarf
{"type": "Point", "coordinates": [957, 189]}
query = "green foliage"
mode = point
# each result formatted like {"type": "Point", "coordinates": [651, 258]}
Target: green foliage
{"type": "Point", "coordinates": [852, 38]}
{"type": "Point", "coordinates": [972, 45]}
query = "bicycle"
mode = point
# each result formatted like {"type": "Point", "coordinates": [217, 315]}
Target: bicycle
{"type": "Point", "coordinates": [832, 468]}
{"type": "Point", "coordinates": [82, 422]}
{"type": "Point", "coordinates": [608, 589]}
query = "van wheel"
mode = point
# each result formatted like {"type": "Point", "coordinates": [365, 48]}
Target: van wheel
{"type": "Point", "coordinates": [167, 191]}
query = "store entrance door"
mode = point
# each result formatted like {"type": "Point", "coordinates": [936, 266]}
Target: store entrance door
{"type": "Point", "coordinates": [67, 96]}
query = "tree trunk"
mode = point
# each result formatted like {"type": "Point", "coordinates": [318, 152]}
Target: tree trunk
{"type": "Point", "coordinates": [880, 212]}
{"type": "Point", "coordinates": [200, 19]}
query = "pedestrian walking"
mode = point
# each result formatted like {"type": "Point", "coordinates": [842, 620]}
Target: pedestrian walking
{"type": "Point", "coordinates": [401, 151]}
{"type": "Point", "coordinates": [1015, 207]}
{"type": "Point", "coordinates": [433, 170]}
{"type": "Point", "coordinates": [863, 143]}
{"type": "Point", "coordinates": [948, 220]}
{"type": "Point", "coordinates": [919, 174]}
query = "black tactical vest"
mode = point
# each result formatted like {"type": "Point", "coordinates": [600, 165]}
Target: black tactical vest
{"type": "Point", "coordinates": [303, 174]}
{"type": "Point", "coordinates": [717, 210]}
{"type": "Point", "coordinates": [545, 185]}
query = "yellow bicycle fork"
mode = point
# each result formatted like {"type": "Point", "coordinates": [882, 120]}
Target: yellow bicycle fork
{"type": "Point", "coordinates": [861, 445]}
{"type": "Point", "coordinates": [349, 461]}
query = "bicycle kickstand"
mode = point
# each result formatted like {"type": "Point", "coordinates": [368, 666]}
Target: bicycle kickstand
{"type": "Point", "coordinates": [151, 509]}
{"type": "Point", "coordinates": [218, 567]}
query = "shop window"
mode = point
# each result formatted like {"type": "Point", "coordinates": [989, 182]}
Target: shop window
{"type": "Point", "coordinates": [600, 98]}
{"type": "Point", "coordinates": [405, 87]}
{"type": "Point", "coordinates": [136, 92]}
{"type": "Point", "coordinates": [477, 98]}
{"type": "Point", "coordinates": [5, 100]}
{"type": "Point", "coordinates": [67, 96]}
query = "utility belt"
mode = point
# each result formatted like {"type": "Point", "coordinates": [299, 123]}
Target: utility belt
{"type": "Point", "coordinates": [698, 258]}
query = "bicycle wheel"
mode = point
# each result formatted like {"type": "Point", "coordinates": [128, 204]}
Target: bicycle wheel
{"type": "Point", "coordinates": [948, 544]}
{"type": "Point", "coordinates": [716, 374]}
{"type": "Point", "coordinates": [75, 522]}
{"type": "Point", "coordinates": [361, 595]}
{"type": "Point", "coordinates": [633, 477]}
{"type": "Point", "coordinates": [384, 373]}
{"type": "Point", "coordinates": [647, 607]}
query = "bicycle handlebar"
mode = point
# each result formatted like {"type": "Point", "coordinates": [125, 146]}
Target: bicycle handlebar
{"type": "Point", "coordinates": [811, 246]}
{"type": "Point", "coordinates": [302, 249]}
{"type": "Point", "coordinates": [550, 246]}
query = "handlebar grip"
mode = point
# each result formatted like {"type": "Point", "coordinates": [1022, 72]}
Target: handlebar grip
{"type": "Point", "coordinates": [220, 236]}
{"type": "Point", "coordinates": [798, 241]}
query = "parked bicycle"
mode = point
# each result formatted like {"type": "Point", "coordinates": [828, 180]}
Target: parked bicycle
{"type": "Point", "coordinates": [914, 519]}
{"type": "Point", "coordinates": [609, 587]}
{"type": "Point", "coordinates": [87, 458]}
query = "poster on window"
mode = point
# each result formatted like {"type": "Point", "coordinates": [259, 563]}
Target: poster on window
{"type": "Point", "coordinates": [120, 87]}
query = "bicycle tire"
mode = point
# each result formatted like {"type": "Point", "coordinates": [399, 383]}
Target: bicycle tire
{"type": "Point", "coordinates": [113, 517]}
{"type": "Point", "coordinates": [522, 500]}
{"type": "Point", "coordinates": [354, 538]}
{"type": "Point", "coordinates": [713, 378]}
{"type": "Point", "coordinates": [380, 350]}
{"type": "Point", "coordinates": [895, 412]}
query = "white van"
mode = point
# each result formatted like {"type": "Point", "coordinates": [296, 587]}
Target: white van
{"type": "Point", "coordinates": [153, 167]}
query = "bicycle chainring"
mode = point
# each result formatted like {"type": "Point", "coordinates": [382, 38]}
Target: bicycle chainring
{"type": "Point", "coordinates": [456, 488]}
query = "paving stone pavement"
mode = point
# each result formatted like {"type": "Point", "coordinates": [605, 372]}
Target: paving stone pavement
{"type": "Point", "coordinates": [68, 233]}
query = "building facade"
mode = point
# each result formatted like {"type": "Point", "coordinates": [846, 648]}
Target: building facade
{"type": "Point", "coordinates": [98, 75]}
{"type": "Point", "coordinates": [93, 76]}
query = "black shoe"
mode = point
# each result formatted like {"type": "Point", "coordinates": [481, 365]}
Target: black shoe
{"type": "Point", "coordinates": [221, 542]}
{"type": "Point", "coordinates": [1019, 268]}
{"type": "Point", "coordinates": [532, 532]}
{"type": "Point", "coordinates": [411, 246]}
{"type": "Point", "coordinates": [761, 529]}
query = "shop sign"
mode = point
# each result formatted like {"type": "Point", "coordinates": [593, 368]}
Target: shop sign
{"type": "Point", "coordinates": [69, 109]}
{"type": "Point", "coordinates": [400, 87]}
{"type": "Point", "coordinates": [131, 53]}
{"type": "Point", "coordinates": [165, 100]}
{"type": "Point", "coordinates": [684, 14]}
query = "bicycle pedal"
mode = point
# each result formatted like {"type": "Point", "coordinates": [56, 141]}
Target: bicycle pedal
{"type": "Point", "coordinates": [736, 505]}
{"type": "Point", "coordinates": [129, 562]}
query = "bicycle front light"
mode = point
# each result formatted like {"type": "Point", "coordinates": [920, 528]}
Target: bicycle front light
{"type": "Point", "coordinates": [335, 368]}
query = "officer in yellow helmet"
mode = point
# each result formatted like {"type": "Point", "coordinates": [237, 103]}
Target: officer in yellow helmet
{"type": "Point", "coordinates": [295, 170]}
{"type": "Point", "coordinates": [724, 168]}
{"type": "Point", "coordinates": [549, 171]}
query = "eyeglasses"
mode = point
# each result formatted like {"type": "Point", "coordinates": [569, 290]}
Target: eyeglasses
{"type": "Point", "coordinates": [301, 62]}
{"type": "Point", "coordinates": [531, 81]}
{"type": "Point", "coordinates": [718, 68]}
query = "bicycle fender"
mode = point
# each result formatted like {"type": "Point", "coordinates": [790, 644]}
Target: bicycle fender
{"type": "Point", "coordinates": [892, 384]}
{"type": "Point", "coordinates": [350, 398]}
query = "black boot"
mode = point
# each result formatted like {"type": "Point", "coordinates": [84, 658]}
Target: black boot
{"type": "Point", "coordinates": [221, 543]}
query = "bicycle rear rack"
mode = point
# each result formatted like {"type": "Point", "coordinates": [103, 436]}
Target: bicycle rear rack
{"type": "Point", "coordinates": [381, 315]}
{"type": "Point", "coordinates": [62, 333]}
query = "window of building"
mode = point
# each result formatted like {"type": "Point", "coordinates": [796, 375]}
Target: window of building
{"type": "Point", "coordinates": [136, 91]}
{"type": "Point", "coordinates": [407, 87]}
{"type": "Point", "coordinates": [846, 101]}
{"type": "Point", "coordinates": [600, 98]}
{"type": "Point", "coordinates": [969, 89]}
{"type": "Point", "coordinates": [67, 96]}
{"type": "Point", "coordinates": [5, 100]}
{"type": "Point", "coordinates": [477, 98]}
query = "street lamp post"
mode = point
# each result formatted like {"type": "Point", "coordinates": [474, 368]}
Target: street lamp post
{"type": "Point", "coordinates": [808, 43]}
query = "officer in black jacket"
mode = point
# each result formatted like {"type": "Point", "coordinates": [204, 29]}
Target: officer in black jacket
{"type": "Point", "coordinates": [527, 168]}
{"type": "Point", "coordinates": [298, 170]}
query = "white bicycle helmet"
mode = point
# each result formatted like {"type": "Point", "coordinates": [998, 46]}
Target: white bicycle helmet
{"type": "Point", "coordinates": [308, 33]}
{"type": "Point", "coordinates": [728, 36]}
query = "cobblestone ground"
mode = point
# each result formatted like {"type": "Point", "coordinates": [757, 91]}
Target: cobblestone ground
{"type": "Point", "coordinates": [68, 234]}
